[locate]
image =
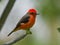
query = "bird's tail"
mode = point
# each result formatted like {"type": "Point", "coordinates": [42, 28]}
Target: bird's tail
{"type": "Point", "coordinates": [13, 31]}
{"type": "Point", "coordinates": [10, 33]}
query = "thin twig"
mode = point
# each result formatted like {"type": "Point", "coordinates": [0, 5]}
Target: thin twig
{"type": "Point", "coordinates": [16, 40]}
{"type": "Point", "coordinates": [6, 13]}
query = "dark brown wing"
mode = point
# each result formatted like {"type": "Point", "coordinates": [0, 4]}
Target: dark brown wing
{"type": "Point", "coordinates": [24, 19]}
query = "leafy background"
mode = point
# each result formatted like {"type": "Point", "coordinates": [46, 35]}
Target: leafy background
{"type": "Point", "coordinates": [45, 29]}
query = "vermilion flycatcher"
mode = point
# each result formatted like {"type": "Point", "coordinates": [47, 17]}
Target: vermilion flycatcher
{"type": "Point", "coordinates": [26, 22]}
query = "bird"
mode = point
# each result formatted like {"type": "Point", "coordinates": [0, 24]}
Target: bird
{"type": "Point", "coordinates": [26, 22]}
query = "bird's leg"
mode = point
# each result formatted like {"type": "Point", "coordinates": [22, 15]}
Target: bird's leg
{"type": "Point", "coordinates": [28, 31]}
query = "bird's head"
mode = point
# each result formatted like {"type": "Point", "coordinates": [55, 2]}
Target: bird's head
{"type": "Point", "coordinates": [32, 12]}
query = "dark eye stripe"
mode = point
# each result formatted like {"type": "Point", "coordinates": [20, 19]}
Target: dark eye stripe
{"type": "Point", "coordinates": [32, 13]}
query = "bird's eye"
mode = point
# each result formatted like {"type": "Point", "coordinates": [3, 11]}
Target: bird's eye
{"type": "Point", "coordinates": [31, 13]}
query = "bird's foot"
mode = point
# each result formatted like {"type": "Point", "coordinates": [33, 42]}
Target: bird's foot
{"type": "Point", "coordinates": [28, 32]}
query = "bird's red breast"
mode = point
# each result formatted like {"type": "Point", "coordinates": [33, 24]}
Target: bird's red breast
{"type": "Point", "coordinates": [29, 24]}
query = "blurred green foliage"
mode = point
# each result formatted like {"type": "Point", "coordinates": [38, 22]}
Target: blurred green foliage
{"type": "Point", "coordinates": [0, 0]}
{"type": "Point", "coordinates": [58, 29]}
{"type": "Point", "coordinates": [50, 9]}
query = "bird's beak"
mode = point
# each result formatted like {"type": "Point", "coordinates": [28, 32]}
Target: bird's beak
{"type": "Point", "coordinates": [37, 14]}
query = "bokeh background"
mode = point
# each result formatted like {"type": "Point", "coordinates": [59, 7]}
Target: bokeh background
{"type": "Point", "coordinates": [44, 32]}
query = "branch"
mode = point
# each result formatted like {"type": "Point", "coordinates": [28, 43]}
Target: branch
{"type": "Point", "coordinates": [4, 17]}
{"type": "Point", "coordinates": [16, 40]}
{"type": "Point", "coordinates": [6, 12]}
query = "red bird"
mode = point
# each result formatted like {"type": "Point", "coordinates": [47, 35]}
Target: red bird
{"type": "Point", "coordinates": [26, 22]}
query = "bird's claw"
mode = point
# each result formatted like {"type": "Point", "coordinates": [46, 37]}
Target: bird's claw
{"type": "Point", "coordinates": [28, 32]}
